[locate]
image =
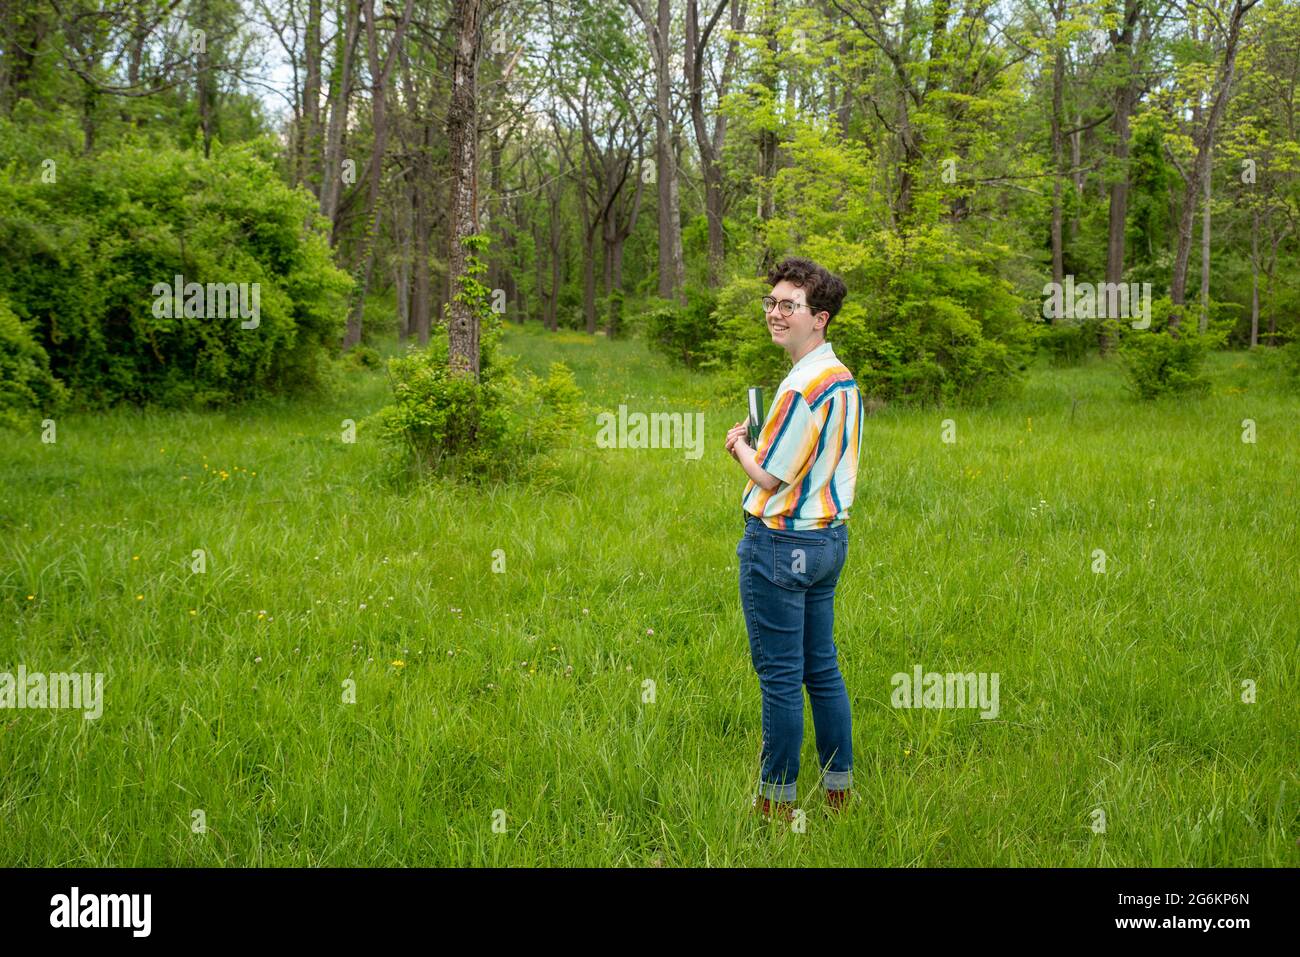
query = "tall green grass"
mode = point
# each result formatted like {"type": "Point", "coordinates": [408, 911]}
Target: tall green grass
{"type": "Point", "coordinates": [523, 691]}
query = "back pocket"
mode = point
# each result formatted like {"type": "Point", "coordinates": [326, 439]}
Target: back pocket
{"type": "Point", "coordinates": [798, 562]}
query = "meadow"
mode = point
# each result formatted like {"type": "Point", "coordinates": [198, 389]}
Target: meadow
{"type": "Point", "coordinates": [556, 672]}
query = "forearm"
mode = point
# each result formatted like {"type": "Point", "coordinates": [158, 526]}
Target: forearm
{"type": "Point", "coordinates": [763, 479]}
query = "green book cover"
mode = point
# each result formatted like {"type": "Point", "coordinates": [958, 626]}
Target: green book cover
{"type": "Point", "coordinates": [756, 415]}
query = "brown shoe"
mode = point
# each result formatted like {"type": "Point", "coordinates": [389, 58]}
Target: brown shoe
{"type": "Point", "coordinates": [769, 808]}
{"type": "Point", "coordinates": [837, 800]}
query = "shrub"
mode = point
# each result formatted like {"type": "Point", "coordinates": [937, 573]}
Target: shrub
{"type": "Point", "coordinates": [1291, 359]}
{"type": "Point", "coordinates": [364, 357]}
{"type": "Point", "coordinates": [490, 429]}
{"type": "Point", "coordinates": [27, 388]}
{"type": "Point", "coordinates": [742, 348]}
{"type": "Point", "coordinates": [926, 321]}
{"type": "Point", "coordinates": [88, 254]}
{"type": "Point", "coordinates": [684, 333]}
{"type": "Point", "coordinates": [1157, 363]}
{"type": "Point", "coordinates": [486, 429]}
{"type": "Point", "coordinates": [614, 314]}
{"type": "Point", "coordinates": [1068, 343]}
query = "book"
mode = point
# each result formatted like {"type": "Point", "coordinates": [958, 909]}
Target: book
{"type": "Point", "coordinates": [756, 416]}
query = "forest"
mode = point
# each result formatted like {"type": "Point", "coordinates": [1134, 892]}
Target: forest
{"type": "Point", "coordinates": [635, 168]}
{"type": "Point", "coordinates": [366, 376]}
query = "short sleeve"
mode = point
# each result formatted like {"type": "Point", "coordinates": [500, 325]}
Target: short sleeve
{"type": "Point", "coordinates": [789, 437]}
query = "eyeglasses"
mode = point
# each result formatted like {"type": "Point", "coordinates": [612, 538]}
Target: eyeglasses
{"type": "Point", "coordinates": [788, 306]}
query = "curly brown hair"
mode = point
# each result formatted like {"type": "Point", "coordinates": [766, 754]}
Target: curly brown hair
{"type": "Point", "coordinates": [824, 290]}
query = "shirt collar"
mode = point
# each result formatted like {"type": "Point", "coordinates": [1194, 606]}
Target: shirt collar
{"type": "Point", "coordinates": [820, 352]}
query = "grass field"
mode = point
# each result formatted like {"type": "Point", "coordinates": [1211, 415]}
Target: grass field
{"type": "Point", "coordinates": [523, 691]}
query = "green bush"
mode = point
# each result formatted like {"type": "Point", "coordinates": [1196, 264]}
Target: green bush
{"type": "Point", "coordinates": [490, 429]}
{"type": "Point", "coordinates": [1068, 343]}
{"type": "Point", "coordinates": [613, 310]}
{"type": "Point", "coordinates": [88, 255]}
{"type": "Point", "coordinates": [1291, 359]}
{"type": "Point", "coordinates": [741, 348]}
{"type": "Point", "coordinates": [683, 332]}
{"type": "Point", "coordinates": [481, 430]}
{"type": "Point", "coordinates": [362, 356]}
{"type": "Point", "coordinates": [1157, 363]}
{"type": "Point", "coordinates": [380, 319]}
{"type": "Point", "coordinates": [28, 391]}
{"type": "Point", "coordinates": [925, 321]}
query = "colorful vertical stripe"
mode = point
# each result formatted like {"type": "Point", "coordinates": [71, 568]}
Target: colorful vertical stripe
{"type": "Point", "coordinates": [810, 440]}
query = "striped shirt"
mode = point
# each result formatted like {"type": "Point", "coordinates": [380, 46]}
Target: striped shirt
{"type": "Point", "coordinates": [810, 441]}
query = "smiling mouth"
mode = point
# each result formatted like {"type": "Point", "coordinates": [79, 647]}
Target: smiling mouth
{"type": "Point", "coordinates": [776, 328]}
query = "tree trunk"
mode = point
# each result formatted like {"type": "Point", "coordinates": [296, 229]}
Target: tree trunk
{"type": "Point", "coordinates": [539, 264]}
{"type": "Point", "coordinates": [1205, 255]}
{"type": "Point", "coordinates": [1204, 140]}
{"type": "Point", "coordinates": [1058, 147]}
{"type": "Point", "coordinates": [1125, 98]}
{"type": "Point", "coordinates": [767, 73]}
{"type": "Point", "coordinates": [206, 86]}
{"type": "Point", "coordinates": [556, 248]}
{"type": "Point", "coordinates": [1076, 162]}
{"type": "Point", "coordinates": [495, 218]}
{"type": "Point", "coordinates": [616, 234]}
{"type": "Point", "coordinates": [403, 214]}
{"type": "Point", "coordinates": [710, 147]}
{"type": "Point", "coordinates": [421, 289]}
{"type": "Point", "coordinates": [462, 141]}
{"type": "Point", "coordinates": [1272, 309]}
{"type": "Point", "coordinates": [672, 268]}
{"type": "Point", "coordinates": [311, 100]}
{"type": "Point", "coordinates": [1254, 280]}
{"type": "Point", "coordinates": [379, 73]}
{"type": "Point", "coordinates": [340, 94]}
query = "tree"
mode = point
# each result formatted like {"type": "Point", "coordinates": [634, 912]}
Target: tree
{"type": "Point", "coordinates": [710, 144]}
{"type": "Point", "coordinates": [1203, 140]}
{"type": "Point", "coordinates": [462, 205]}
{"type": "Point", "coordinates": [672, 267]}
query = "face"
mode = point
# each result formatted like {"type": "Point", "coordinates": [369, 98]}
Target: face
{"type": "Point", "coordinates": [793, 332]}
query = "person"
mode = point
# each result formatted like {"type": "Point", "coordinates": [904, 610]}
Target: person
{"type": "Point", "coordinates": [796, 503]}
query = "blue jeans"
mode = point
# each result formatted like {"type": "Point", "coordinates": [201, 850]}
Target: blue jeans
{"type": "Point", "coordinates": [787, 589]}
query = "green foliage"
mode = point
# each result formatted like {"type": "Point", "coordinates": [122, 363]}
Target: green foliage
{"type": "Point", "coordinates": [27, 388]}
{"type": "Point", "coordinates": [88, 255]}
{"type": "Point", "coordinates": [1148, 233]}
{"type": "Point", "coordinates": [485, 429]}
{"type": "Point", "coordinates": [380, 320]}
{"type": "Point", "coordinates": [1068, 343]}
{"type": "Point", "coordinates": [938, 322]}
{"type": "Point", "coordinates": [1291, 360]}
{"type": "Point", "coordinates": [364, 357]}
{"type": "Point", "coordinates": [683, 332]}
{"type": "Point", "coordinates": [1157, 363]}
{"type": "Point", "coordinates": [447, 423]}
{"type": "Point", "coordinates": [614, 306]}
{"type": "Point", "coordinates": [742, 349]}
{"type": "Point", "coordinates": [925, 320]}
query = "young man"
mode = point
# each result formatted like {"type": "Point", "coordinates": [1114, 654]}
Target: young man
{"type": "Point", "coordinates": [801, 481]}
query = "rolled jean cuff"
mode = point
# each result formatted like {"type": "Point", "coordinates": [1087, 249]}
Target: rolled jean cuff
{"type": "Point", "coordinates": [778, 792]}
{"type": "Point", "coordinates": [837, 780]}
